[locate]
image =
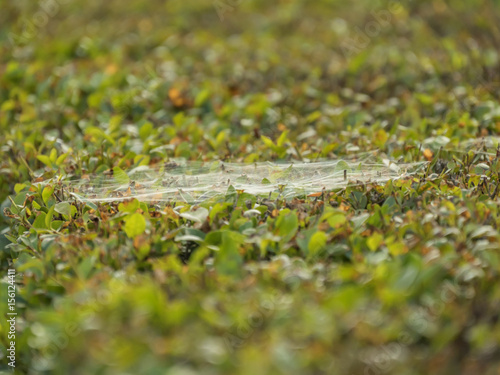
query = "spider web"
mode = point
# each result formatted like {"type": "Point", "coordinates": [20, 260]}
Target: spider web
{"type": "Point", "coordinates": [195, 182]}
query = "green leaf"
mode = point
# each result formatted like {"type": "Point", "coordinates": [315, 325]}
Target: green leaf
{"type": "Point", "coordinates": [213, 239]}
{"type": "Point", "coordinates": [45, 160]}
{"type": "Point", "coordinates": [63, 209]}
{"type": "Point", "coordinates": [20, 198]}
{"type": "Point", "coordinates": [342, 166]}
{"type": "Point", "coordinates": [268, 142]}
{"type": "Point", "coordinates": [98, 133]}
{"type": "Point", "coordinates": [53, 155]}
{"type": "Point", "coordinates": [85, 267]}
{"type": "Point", "coordinates": [283, 175]}
{"type": "Point", "coordinates": [120, 176]}
{"type": "Point", "coordinates": [201, 97]}
{"type": "Point", "coordinates": [39, 222]}
{"type": "Point", "coordinates": [228, 260]}
{"type": "Point", "coordinates": [61, 159]}
{"type": "Point", "coordinates": [135, 225]}
{"type": "Point", "coordinates": [47, 193]}
{"type": "Point", "coordinates": [218, 208]}
{"type": "Point", "coordinates": [48, 218]}
{"type": "Point", "coordinates": [144, 207]}
{"type": "Point", "coordinates": [11, 238]}
{"type": "Point", "coordinates": [19, 187]}
{"type": "Point", "coordinates": [336, 220]}
{"type": "Point", "coordinates": [287, 225]}
{"type": "Point", "coordinates": [317, 243]}
{"type": "Point", "coordinates": [186, 197]}
{"type": "Point", "coordinates": [56, 224]}
{"type": "Point", "coordinates": [198, 216]}
{"type": "Point", "coordinates": [129, 206]}
{"type": "Point", "coordinates": [231, 194]}
{"type": "Point", "coordinates": [145, 130]}
{"type": "Point", "coordinates": [358, 200]}
{"type": "Point", "coordinates": [313, 116]}
{"type": "Point", "coordinates": [374, 241]}
{"type": "Point", "coordinates": [282, 138]}
{"type": "Point", "coordinates": [190, 236]}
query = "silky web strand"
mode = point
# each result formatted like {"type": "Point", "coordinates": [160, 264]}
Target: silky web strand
{"type": "Point", "coordinates": [194, 182]}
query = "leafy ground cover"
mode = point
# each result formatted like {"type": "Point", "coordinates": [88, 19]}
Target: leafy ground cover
{"type": "Point", "coordinates": [399, 277]}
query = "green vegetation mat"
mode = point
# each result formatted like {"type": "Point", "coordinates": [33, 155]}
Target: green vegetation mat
{"type": "Point", "coordinates": [371, 276]}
